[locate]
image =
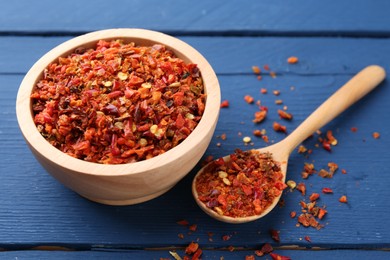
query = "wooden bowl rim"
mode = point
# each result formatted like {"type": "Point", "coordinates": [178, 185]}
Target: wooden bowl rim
{"type": "Point", "coordinates": [180, 48]}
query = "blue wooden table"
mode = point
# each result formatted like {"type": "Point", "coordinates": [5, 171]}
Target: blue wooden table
{"type": "Point", "coordinates": [41, 219]}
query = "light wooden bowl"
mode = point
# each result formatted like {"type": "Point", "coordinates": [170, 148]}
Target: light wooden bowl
{"type": "Point", "coordinates": [131, 183]}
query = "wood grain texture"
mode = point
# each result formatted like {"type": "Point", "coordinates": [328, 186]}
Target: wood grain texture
{"type": "Point", "coordinates": [36, 210]}
{"type": "Point", "coordinates": [348, 18]}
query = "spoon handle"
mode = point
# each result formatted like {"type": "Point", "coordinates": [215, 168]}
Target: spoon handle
{"type": "Point", "coordinates": [357, 87]}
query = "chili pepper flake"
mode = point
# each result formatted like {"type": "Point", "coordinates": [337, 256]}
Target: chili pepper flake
{"type": "Point", "coordinates": [275, 235]}
{"type": "Point", "coordinates": [308, 239]}
{"type": "Point", "coordinates": [224, 104]}
{"type": "Point", "coordinates": [276, 92]}
{"type": "Point", "coordinates": [292, 60]}
{"type": "Point", "coordinates": [302, 188]}
{"type": "Point", "coordinates": [263, 91]}
{"type": "Point", "coordinates": [257, 132]}
{"type": "Point", "coordinates": [284, 115]}
{"type": "Point", "coordinates": [293, 214]}
{"type": "Point", "coordinates": [118, 102]}
{"type": "Point", "coordinates": [254, 181]}
{"type": "Point", "coordinates": [278, 102]}
{"type": "Point", "coordinates": [279, 257]}
{"type": "Point", "coordinates": [279, 128]}
{"type": "Point", "coordinates": [302, 149]}
{"type": "Point", "coordinates": [343, 199]}
{"type": "Point", "coordinates": [191, 248]}
{"type": "Point", "coordinates": [256, 70]}
{"type": "Point", "coordinates": [314, 196]}
{"type": "Point", "coordinates": [327, 190]}
{"type": "Point", "coordinates": [343, 171]}
{"type": "Point", "coordinates": [249, 99]}
{"type": "Point", "coordinates": [376, 135]}
{"type": "Point", "coordinates": [249, 257]}
{"type": "Point", "coordinates": [259, 116]}
{"type": "Point", "coordinates": [354, 129]}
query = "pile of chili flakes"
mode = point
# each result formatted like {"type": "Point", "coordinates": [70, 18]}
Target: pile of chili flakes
{"type": "Point", "coordinates": [245, 185]}
{"type": "Point", "coordinates": [118, 102]}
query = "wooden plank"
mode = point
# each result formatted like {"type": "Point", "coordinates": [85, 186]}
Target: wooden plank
{"type": "Point", "coordinates": [244, 17]}
{"type": "Point", "coordinates": [236, 55]}
{"type": "Point", "coordinates": [36, 210]}
{"type": "Point", "coordinates": [207, 254]}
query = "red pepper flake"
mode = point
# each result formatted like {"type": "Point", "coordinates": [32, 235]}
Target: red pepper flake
{"type": "Point", "coordinates": [266, 67]}
{"type": "Point", "coordinates": [275, 235]}
{"type": "Point", "coordinates": [231, 248]}
{"type": "Point", "coordinates": [118, 102]}
{"type": "Point", "coordinates": [263, 91]}
{"type": "Point", "coordinates": [321, 213]}
{"type": "Point", "coordinates": [343, 199]}
{"type": "Point", "coordinates": [354, 129]}
{"type": "Point", "coordinates": [226, 237]}
{"type": "Point", "coordinates": [183, 222]}
{"type": "Point", "coordinates": [302, 188]}
{"type": "Point", "coordinates": [327, 190]}
{"type": "Point", "coordinates": [180, 235]}
{"type": "Point", "coordinates": [302, 149]}
{"type": "Point", "coordinates": [314, 196]}
{"type": "Point", "coordinates": [225, 104]}
{"type": "Point", "coordinates": [376, 135]}
{"type": "Point", "coordinates": [249, 99]}
{"type": "Point", "coordinates": [223, 136]}
{"type": "Point", "coordinates": [272, 74]}
{"type": "Point", "coordinates": [257, 132]}
{"type": "Point", "coordinates": [245, 185]}
{"type": "Point", "coordinates": [249, 257]}
{"type": "Point", "coordinates": [284, 115]}
{"type": "Point", "coordinates": [256, 70]}
{"type": "Point", "coordinates": [265, 249]}
{"type": "Point", "coordinates": [331, 139]}
{"type": "Point", "coordinates": [279, 257]}
{"type": "Point", "coordinates": [193, 227]}
{"type": "Point", "coordinates": [326, 146]}
{"type": "Point", "coordinates": [279, 128]}
{"type": "Point", "coordinates": [308, 169]}
{"type": "Point", "coordinates": [191, 248]}
{"type": "Point", "coordinates": [293, 214]}
{"type": "Point", "coordinates": [265, 138]}
{"type": "Point", "coordinates": [308, 239]}
{"type": "Point", "coordinates": [276, 92]}
{"type": "Point", "coordinates": [259, 116]}
{"type": "Point", "coordinates": [308, 220]}
{"type": "Point", "coordinates": [343, 171]}
{"type": "Point", "coordinates": [292, 60]}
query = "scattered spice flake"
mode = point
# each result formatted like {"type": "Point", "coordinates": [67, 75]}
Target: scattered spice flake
{"type": "Point", "coordinates": [292, 60]}
{"type": "Point", "coordinates": [226, 237]}
{"type": "Point", "coordinates": [308, 239]}
{"type": "Point", "coordinates": [183, 222]}
{"type": "Point", "coordinates": [279, 257]}
{"type": "Point", "coordinates": [343, 171]}
{"type": "Point", "coordinates": [272, 74]}
{"type": "Point", "coordinates": [354, 129]}
{"type": "Point", "coordinates": [308, 169]}
{"type": "Point", "coordinates": [314, 196]}
{"type": "Point", "coordinates": [327, 190]}
{"type": "Point", "coordinates": [302, 188]}
{"type": "Point", "coordinates": [321, 213]}
{"type": "Point", "coordinates": [257, 132]}
{"type": "Point", "coordinates": [276, 92]}
{"type": "Point", "coordinates": [246, 139]}
{"type": "Point", "coordinates": [291, 184]}
{"type": "Point", "coordinates": [331, 139]}
{"type": "Point", "coordinates": [263, 91]}
{"type": "Point", "coordinates": [249, 257]}
{"type": "Point", "coordinates": [223, 136]}
{"type": "Point", "coordinates": [249, 99]}
{"type": "Point", "coordinates": [180, 235]}
{"type": "Point", "coordinates": [266, 249]}
{"type": "Point", "coordinates": [193, 227]}
{"type": "Point", "coordinates": [259, 116]}
{"type": "Point", "coordinates": [293, 214]}
{"type": "Point", "coordinates": [308, 220]}
{"type": "Point", "coordinates": [278, 102]}
{"type": "Point", "coordinates": [275, 235]}
{"type": "Point", "coordinates": [266, 67]}
{"type": "Point", "coordinates": [265, 138]}
{"type": "Point", "coordinates": [343, 199]}
{"type": "Point", "coordinates": [236, 193]}
{"type": "Point", "coordinates": [325, 174]}
{"type": "Point", "coordinates": [302, 149]}
{"type": "Point", "coordinates": [333, 167]}
{"type": "Point", "coordinates": [225, 104]}
{"type": "Point", "coordinates": [284, 115]}
{"type": "Point", "coordinates": [279, 128]}
{"type": "Point", "coordinates": [231, 248]}
{"type": "Point", "coordinates": [376, 135]}
{"type": "Point", "coordinates": [256, 70]}
{"type": "Point", "coordinates": [326, 146]}
{"type": "Point", "coordinates": [191, 248]}
{"type": "Point", "coordinates": [259, 77]}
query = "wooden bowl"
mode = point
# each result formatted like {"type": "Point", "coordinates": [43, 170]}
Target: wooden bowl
{"type": "Point", "coordinates": [130, 183]}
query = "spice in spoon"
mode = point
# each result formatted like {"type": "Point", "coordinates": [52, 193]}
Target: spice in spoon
{"type": "Point", "coordinates": [244, 185]}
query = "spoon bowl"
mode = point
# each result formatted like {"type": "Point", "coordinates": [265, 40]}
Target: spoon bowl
{"type": "Point", "coordinates": [357, 87]}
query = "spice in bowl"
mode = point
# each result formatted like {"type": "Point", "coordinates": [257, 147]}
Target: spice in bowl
{"type": "Point", "coordinates": [119, 102]}
{"type": "Point", "coordinates": [244, 185]}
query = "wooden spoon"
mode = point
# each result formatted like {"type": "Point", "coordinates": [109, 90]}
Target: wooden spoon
{"type": "Point", "coordinates": [362, 83]}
